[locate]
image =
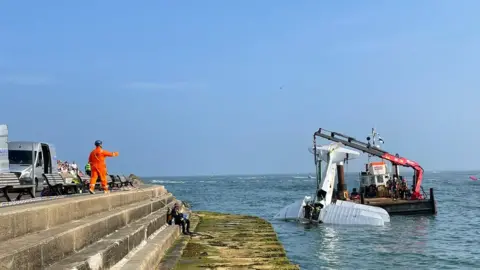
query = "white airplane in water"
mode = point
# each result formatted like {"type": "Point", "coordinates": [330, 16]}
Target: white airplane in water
{"type": "Point", "coordinates": [321, 209]}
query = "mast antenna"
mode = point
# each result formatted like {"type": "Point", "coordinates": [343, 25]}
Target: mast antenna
{"type": "Point", "coordinates": [374, 140]}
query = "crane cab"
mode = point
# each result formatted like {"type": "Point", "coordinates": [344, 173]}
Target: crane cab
{"type": "Point", "coordinates": [376, 173]}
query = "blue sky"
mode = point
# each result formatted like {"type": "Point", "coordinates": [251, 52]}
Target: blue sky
{"type": "Point", "coordinates": [232, 87]}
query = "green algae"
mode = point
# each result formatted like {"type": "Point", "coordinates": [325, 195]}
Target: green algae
{"type": "Point", "coordinates": [225, 241]}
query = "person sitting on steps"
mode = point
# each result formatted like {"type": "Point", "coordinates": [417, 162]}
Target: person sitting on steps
{"type": "Point", "coordinates": [179, 219]}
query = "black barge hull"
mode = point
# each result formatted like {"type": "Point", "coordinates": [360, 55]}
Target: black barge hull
{"type": "Point", "coordinates": [405, 207]}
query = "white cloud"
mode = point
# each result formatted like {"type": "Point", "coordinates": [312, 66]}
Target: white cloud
{"type": "Point", "coordinates": [164, 86]}
{"type": "Point", "coordinates": [26, 80]}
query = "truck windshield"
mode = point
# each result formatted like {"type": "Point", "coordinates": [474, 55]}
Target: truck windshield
{"type": "Point", "coordinates": [20, 156]}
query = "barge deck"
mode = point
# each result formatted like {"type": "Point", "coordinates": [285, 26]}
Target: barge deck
{"type": "Point", "coordinates": [404, 207]}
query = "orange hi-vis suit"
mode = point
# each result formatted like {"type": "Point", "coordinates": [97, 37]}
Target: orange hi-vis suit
{"type": "Point", "coordinates": [99, 168]}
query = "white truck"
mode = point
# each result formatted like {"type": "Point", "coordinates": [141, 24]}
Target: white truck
{"type": "Point", "coordinates": [28, 160]}
{"type": "Point", "coordinates": [22, 155]}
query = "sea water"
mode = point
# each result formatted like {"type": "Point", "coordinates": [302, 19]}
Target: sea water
{"type": "Point", "coordinates": [450, 240]}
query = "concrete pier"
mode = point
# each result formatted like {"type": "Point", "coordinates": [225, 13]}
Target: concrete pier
{"type": "Point", "coordinates": [129, 230]}
{"type": "Point", "coordinates": [81, 232]}
{"type": "Point", "coordinates": [223, 241]}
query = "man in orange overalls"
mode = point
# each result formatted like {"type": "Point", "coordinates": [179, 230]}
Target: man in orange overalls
{"type": "Point", "coordinates": [99, 168]}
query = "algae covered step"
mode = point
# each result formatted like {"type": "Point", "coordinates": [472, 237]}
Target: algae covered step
{"type": "Point", "coordinates": [38, 250]}
{"type": "Point", "coordinates": [233, 242]}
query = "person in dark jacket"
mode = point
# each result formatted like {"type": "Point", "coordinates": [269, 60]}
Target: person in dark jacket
{"type": "Point", "coordinates": [179, 219]}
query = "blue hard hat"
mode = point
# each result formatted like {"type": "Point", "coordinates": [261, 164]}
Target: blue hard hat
{"type": "Point", "coordinates": [98, 143]}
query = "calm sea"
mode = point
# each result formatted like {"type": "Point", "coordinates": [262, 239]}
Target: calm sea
{"type": "Point", "coordinates": [451, 240]}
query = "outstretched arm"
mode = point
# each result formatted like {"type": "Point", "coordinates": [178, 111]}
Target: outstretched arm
{"type": "Point", "coordinates": [110, 154]}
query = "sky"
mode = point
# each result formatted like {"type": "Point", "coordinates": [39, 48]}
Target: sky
{"type": "Point", "coordinates": [239, 87]}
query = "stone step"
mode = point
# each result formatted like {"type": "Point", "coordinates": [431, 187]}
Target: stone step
{"type": "Point", "coordinates": [152, 253]}
{"type": "Point", "coordinates": [169, 259]}
{"type": "Point", "coordinates": [19, 220]}
{"type": "Point", "coordinates": [107, 252]}
{"type": "Point", "coordinates": [38, 250]}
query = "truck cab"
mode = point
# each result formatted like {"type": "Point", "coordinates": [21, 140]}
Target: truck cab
{"type": "Point", "coordinates": [26, 156]}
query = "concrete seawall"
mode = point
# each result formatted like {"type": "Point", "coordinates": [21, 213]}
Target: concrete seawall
{"type": "Point", "coordinates": [129, 230]}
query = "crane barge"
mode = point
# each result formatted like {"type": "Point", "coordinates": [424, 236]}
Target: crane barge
{"type": "Point", "coordinates": [377, 176]}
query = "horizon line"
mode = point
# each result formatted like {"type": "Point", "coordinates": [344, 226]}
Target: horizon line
{"type": "Point", "coordinates": [303, 173]}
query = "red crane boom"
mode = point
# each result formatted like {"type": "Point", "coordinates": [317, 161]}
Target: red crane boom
{"type": "Point", "coordinates": [368, 148]}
